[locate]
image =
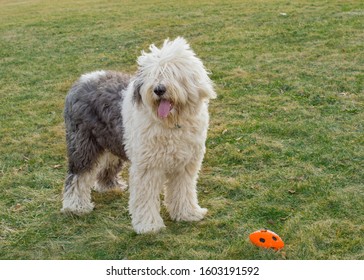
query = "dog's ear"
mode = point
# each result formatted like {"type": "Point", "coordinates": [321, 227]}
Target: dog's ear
{"type": "Point", "coordinates": [207, 91]}
{"type": "Point", "coordinates": [137, 98]}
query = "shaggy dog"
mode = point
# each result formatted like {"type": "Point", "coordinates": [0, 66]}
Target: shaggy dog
{"type": "Point", "coordinates": [157, 119]}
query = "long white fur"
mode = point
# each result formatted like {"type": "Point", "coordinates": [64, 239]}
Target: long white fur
{"type": "Point", "coordinates": [164, 154]}
{"type": "Point", "coordinates": [92, 76]}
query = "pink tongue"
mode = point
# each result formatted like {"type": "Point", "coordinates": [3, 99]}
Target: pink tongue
{"type": "Point", "coordinates": [164, 108]}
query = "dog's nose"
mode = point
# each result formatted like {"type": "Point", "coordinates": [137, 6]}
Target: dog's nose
{"type": "Point", "coordinates": [160, 90]}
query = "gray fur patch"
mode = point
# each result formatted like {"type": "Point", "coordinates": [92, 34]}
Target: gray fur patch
{"type": "Point", "coordinates": [93, 119]}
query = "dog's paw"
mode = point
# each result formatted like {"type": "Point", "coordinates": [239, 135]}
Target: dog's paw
{"type": "Point", "coordinates": [190, 215]}
{"type": "Point", "coordinates": [78, 209]}
{"type": "Point", "coordinates": [116, 184]}
{"type": "Point", "coordinates": [148, 228]}
{"type": "Point", "coordinates": [121, 184]}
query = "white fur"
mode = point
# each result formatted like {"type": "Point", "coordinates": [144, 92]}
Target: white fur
{"type": "Point", "coordinates": [77, 198]}
{"type": "Point", "coordinates": [166, 154]}
{"type": "Point", "coordinates": [92, 76]}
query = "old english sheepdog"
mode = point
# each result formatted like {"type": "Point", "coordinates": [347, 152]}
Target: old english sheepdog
{"type": "Point", "coordinates": [157, 120]}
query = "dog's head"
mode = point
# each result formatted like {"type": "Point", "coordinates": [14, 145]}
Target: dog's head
{"type": "Point", "coordinates": [172, 81]}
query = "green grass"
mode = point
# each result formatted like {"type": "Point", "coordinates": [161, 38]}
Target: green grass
{"type": "Point", "coordinates": [285, 149]}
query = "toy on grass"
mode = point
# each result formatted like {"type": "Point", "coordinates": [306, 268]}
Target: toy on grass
{"type": "Point", "coordinates": [266, 239]}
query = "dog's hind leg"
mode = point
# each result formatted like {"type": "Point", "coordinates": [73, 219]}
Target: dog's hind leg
{"type": "Point", "coordinates": [108, 177]}
{"type": "Point", "coordinates": [83, 152]}
{"type": "Point", "coordinates": [77, 193]}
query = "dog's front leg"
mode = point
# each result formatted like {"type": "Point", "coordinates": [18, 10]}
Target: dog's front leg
{"type": "Point", "coordinates": [181, 195]}
{"type": "Point", "coordinates": [144, 204]}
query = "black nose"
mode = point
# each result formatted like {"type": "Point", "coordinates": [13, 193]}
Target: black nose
{"type": "Point", "coordinates": [160, 90]}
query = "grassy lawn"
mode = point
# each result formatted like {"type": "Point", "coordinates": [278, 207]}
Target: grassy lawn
{"type": "Point", "coordinates": [286, 144]}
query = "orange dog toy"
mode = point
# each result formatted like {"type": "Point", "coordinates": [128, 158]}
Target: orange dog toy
{"type": "Point", "coordinates": [266, 239]}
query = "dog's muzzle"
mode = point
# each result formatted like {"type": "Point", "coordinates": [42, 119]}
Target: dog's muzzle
{"type": "Point", "coordinates": [164, 104]}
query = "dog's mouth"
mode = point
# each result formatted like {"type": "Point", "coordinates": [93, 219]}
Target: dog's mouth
{"type": "Point", "coordinates": [164, 108]}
